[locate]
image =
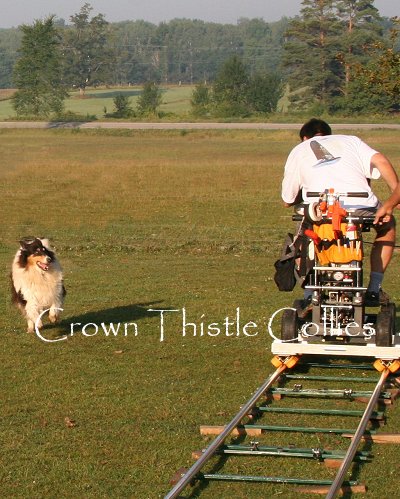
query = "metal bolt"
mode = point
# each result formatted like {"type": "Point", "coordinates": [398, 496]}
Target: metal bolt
{"type": "Point", "coordinates": [317, 453]}
{"type": "Point", "coordinates": [254, 445]}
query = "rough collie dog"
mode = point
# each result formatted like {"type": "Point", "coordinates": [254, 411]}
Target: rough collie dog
{"type": "Point", "coordinates": [37, 281]}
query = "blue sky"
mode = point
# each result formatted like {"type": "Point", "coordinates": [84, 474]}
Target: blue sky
{"type": "Point", "coordinates": [226, 11]}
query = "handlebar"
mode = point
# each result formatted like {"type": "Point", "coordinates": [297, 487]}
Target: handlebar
{"type": "Point", "coordinates": [315, 194]}
{"type": "Point", "coordinates": [356, 219]}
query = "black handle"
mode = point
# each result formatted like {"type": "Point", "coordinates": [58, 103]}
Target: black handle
{"type": "Point", "coordinates": [353, 218]}
{"type": "Point", "coordinates": [357, 194]}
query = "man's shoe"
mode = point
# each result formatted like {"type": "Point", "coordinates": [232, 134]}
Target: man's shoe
{"type": "Point", "coordinates": [373, 299]}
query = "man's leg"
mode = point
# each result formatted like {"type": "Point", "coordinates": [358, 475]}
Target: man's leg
{"type": "Point", "coordinates": [382, 251]}
{"type": "Point", "coordinates": [381, 254]}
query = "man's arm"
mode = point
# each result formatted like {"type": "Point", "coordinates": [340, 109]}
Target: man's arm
{"type": "Point", "coordinates": [298, 200]}
{"type": "Point", "coordinates": [290, 183]}
{"type": "Point", "coordinates": [383, 213]}
{"type": "Point", "coordinates": [385, 167]}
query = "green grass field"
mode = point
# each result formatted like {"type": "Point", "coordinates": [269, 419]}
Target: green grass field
{"type": "Point", "coordinates": [176, 100]}
{"type": "Point", "coordinates": [175, 107]}
{"type": "Point", "coordinates": [148, 220]}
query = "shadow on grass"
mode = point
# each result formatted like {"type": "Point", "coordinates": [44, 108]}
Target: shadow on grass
{"type": "Point", "coordinates": [66, 124]}
{"type": "Point", "coordinates": [112, 94]}
{"type": "Point", "coordinates": [123, 314]}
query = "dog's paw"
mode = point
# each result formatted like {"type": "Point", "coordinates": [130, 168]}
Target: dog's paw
{"type": "Point", "coordinates": [33, 325]}
{"type": "Point", "coordinates": [54, 317]}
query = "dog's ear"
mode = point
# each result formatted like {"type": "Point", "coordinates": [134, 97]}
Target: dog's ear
{"type": "Point", "coordinates": [45, 242]}
{"type": "Point", "coordinates": [26, 242]}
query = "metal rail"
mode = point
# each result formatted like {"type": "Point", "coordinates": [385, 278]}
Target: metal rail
{"type": "Point", "coordinates": [218, 446]}
{"type": "Point", "coordinates": [337, 483]}
{"type": "Point", "coordinates": [219, 440]}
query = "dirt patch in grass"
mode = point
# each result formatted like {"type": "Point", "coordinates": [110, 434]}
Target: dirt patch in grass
{"type": "Point", "coordinates": [6, 93]}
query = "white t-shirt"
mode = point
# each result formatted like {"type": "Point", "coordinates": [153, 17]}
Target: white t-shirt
{"type": "Point", "coordinates": [341, 162]}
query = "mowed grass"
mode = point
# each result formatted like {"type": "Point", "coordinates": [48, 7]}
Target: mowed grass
{"type": "Point", "coordinates": [97, 102]}
{"type": "Point", "coordinates": [148, 220]}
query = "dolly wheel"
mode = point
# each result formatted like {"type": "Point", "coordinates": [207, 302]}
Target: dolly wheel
{"type": "Point", "coordinates": [385, 321]}
{"type": "Point", "coordinates": [289, 325]}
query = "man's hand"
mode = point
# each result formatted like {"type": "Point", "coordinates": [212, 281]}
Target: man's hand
{"type": "Point", "coordinates": [383, 214]}
{"type": "Point", "coordinates": [385, 211]}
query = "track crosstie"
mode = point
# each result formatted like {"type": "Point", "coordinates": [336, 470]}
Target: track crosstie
{"type": "Point", "coordinates": [287, 383]}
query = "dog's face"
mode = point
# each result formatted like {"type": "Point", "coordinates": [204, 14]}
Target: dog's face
{"type": "Point", "coordinates": [35, 253]}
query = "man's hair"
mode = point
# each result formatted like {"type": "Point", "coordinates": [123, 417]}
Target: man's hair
{"type": "Point", "coordinates": [315, 127]}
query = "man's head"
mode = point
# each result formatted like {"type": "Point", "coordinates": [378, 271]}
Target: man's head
{"type": "Point", "coordinates": [314, 127]}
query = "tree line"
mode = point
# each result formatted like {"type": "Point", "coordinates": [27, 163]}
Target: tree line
{"type": "Point", "coordinates": [134, 52]}
{"type": "Point", "coordinates": [336, 56]}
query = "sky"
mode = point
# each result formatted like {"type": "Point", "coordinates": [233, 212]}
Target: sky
{"type": "Point", "coordinates": [19, 12]}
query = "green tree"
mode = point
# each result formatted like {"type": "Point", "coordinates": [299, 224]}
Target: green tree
{"type": "Point", "coordinates": [201, 100]}
{"type": "Point", "coordinates": [6, 66]}
{"type": "Point", "coordinates": [10, 43]}
{"type": "Point", "coordinates": [149, 100]}
{"type": "Point", "coordinates": [256, 40]}
{"type": "Point", "coordinates": [264, 92]}
{"type": "Point", "coordinates": [236, 93]}
{"type": "Point", "coordinates": [310, 52]}
{"type": "Point", "coordinates": [123, 108]}
{"type": "Point", "coordinates": [87, 53]}
{"type": "Point", "coordinates": [376, 85]}
{"type": "Point", "coordinates": [230, 88]}
{"type": "Point", "coordinates": [191, 51]}
{"type": "Point", "coordinates": [40, 91]}
{"type": "Point", "coordinates": [361, 25]}
{"type": "Point", "coordinates": [133, 46]}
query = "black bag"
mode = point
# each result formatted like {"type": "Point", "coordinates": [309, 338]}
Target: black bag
{"type": "Point", "coordinates": [285, 267]}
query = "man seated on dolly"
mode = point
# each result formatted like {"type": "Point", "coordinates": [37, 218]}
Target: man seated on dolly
{"type": "Point", "coordinates": [346, 164]}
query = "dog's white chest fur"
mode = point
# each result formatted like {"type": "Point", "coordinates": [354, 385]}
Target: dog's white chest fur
{"type": "Point", "coordinates": [37, 286]}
